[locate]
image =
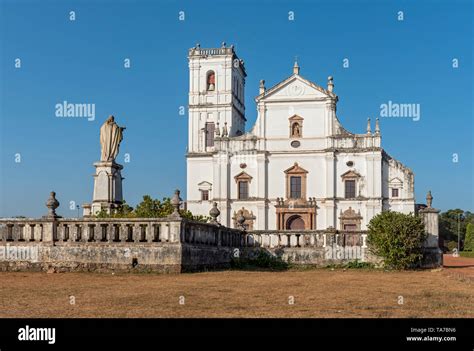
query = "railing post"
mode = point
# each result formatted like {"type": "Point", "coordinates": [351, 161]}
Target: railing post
{"type": "Point", "coordinates": [123, 234]}
{"type": "Point", "coordinates": [49, 230]}
{"type": "Point", "coordinates": [109, 232]}
{"type": "Point", "coordinates": [149, 232]}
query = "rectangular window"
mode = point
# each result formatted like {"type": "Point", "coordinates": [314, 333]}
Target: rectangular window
{"type": "Point", "coordinates": [243, 190]}
{"type": "Point", "coordinates": [394, 192]}
{"type": "Point", "coordinates": [350, 227]}
{"type": "Point", "coordinates": [204, 195]}
{"type": "Point", "coordinates": [210, 131]}
{"type": "Point", "coordinates": [295, 187]}
{"type": "Point", "coordinates": [350, 189]}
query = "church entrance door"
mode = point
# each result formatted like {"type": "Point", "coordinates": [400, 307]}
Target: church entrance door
{"type": "Point", "coordinates": [295, 223]}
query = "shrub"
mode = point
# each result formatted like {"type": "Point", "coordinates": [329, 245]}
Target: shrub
{"type": "Point", "coordinates": [397, 238]}
{"type": "Point", "coordinates": [452, 245]}
{"type": "Point", "coordinates": [469, 239]}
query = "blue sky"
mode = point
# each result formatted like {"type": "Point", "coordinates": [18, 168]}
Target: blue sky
{"type": "Point", "coordinates": [81, 61]}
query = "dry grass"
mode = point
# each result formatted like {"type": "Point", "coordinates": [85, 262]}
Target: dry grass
{"type": "Point", "coordinates": [317, 293]}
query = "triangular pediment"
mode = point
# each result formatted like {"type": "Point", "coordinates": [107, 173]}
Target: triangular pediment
{"type": "Point", "coordinates": [396, 181]}
{"type": "Point", "coordinates": [296, 118]}
{"type": "Point", "coordinates": [205, 185]}
{"type": "Point", "coordinates": [350, 174]}
{"type": "Point", "coordinates": [243, 176]}
{"type": "Point", "coordinates": [295, 169]}
{"type": "Point", "coordinates": [295, 87]}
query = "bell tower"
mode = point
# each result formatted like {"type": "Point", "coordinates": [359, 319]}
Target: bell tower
{"type": "Point", "coordinates": [216, 96]}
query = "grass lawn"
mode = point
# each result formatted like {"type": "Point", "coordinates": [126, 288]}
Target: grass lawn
{"type": "Point", "coordinates": [467, 254]}
{"type": "Point", "coordinates": [300, 293]}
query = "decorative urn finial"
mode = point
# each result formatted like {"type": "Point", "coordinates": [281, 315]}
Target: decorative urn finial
{"type": "Point", "coordinates": [214, 213]}
{"type": "Point", "coordinates": [262, 86]}
{"type": "Point", "coordinates": [330, 83]}
{"type": "Point", "coordinates": [175, 202]}
{"type": "Point", "coordinates": [377, 126]}
{"type": "Point", "coordinates": [429, 199]}
{"type": "Point", "coordinates": [52, 204]}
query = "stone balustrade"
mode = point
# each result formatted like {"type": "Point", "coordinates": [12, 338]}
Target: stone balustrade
{"type": "Point", "coordinates": [198, 51]}
{"type": "Point", "coordinates": [116, 230]}
{"type": "Point", "coordinates": [243, 144]}
{"type": "Point", "coordinates": [308, 239]}
{"type": "Point", "coordinates": [356, 141]}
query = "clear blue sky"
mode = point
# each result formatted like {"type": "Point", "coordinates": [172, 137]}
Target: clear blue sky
{"type": "Point", "coordinates": [406, 61]}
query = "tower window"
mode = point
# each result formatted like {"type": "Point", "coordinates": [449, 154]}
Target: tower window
{"type": "Point", "coordinates": [295, 187]}
{"type": "Point", "coordinates": [394, 192]}
{"type": "Point", "coordinates": [210, 132]}
{"type": "Point", "coordinates": [243, 190]}
{"type": "Point", "coordinates": [350, 189]}
{"type": "Point", "coordinates": [205, 195]}
{"type": "Point", "coordinates": [211, 81]}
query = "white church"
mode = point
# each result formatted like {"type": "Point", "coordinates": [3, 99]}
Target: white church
{"type": "Point", "coordinates": [297, 168]}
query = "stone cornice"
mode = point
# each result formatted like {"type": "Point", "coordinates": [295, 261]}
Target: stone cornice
{"type": "Point", "coordinates": [199, 154]}
{"type": "Point", "coordinates": [353, 150]}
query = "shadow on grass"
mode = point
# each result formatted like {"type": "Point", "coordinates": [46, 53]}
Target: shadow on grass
{"type": "Point", "coordinates": [262, 261]}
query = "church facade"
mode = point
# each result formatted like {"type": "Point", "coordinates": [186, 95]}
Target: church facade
{"type": "Point", "coordinates": [297, 168]}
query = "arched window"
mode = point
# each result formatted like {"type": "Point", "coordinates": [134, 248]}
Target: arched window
{"type": "Point", "coordinates": [211, 81]}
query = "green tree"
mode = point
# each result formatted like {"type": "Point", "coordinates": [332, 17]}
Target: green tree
{"type": "Point", "coordinates": [448, 224]}
{"type": "Point", "coordinates": [397, 238]}
{"type": "Point", "coordinates": [123, 211]}
{"type": "Point", "coordinates": [469, 239]}
{"type": "Point", "coordinates": [153, 208]}
{"type": "Point", "coordinates": [150, 208]}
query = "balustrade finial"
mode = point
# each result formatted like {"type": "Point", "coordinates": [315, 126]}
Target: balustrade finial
{"type": "Point", "coordinates": [241, 220]}
{"type": "Point", "coordinates": [175, 202]}
{"type": "Point", "coordinates": [330, 83]}
{"type": "Point", "coordinates": [52, 204]}
{"type": "Point", "coordinates": [429, 199]}
{"type": "Point", "coordinates": [214, 213]}
{"type": "Point", "coordinates": [377, 126]}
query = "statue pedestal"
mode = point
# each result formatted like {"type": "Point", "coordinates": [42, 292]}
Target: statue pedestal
{"type": "Point", "coordinates": [433, 255]}
{"type": "Point", "coordinates": [107, 188]}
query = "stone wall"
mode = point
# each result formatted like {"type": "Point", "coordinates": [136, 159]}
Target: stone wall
{"type": "Point", "coordinates": [316, 248]}
{"type": "Point", "coordinates": [173, 245]}
{"type": "Point", "coordinates": [100, 257]}
{"type": "Point", "coordinates": [140, 244]}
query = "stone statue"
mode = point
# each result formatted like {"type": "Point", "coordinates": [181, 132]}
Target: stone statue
{"type": "Point", "coordinates": [296, 130]}
{"type": "Point", "coordinates": [110, 137]}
